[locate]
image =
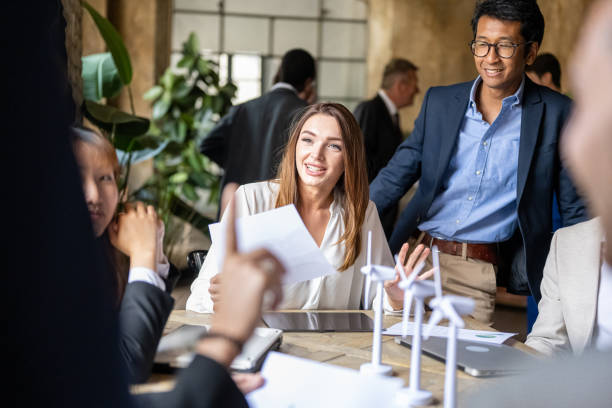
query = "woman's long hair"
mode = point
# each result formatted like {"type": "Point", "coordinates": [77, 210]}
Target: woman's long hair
{"type": "Point", "coordinates": [353, 184]}
{"type": "Point", "coordinates": [118, 262]}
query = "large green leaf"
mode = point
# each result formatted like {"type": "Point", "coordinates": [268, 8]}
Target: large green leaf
{"type": "Point", "coordinates": [141, 152]}
{"type": "Point", "coordinates": [161, 106]}
{"type": "Point", "coordinates": [100, 77]}
{"type": "Point", "coordinates": [114, 43]}
{"type": "Point", "coordinates": [153, 93]}
{"type": "Point", "coordinates": [105, 117]}
{"type": "Point", "coordinates": [186, 212]}
{"type": "Point", "coordinates": [192, 45]}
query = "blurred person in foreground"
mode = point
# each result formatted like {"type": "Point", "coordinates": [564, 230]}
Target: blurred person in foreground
{"type": "Point", "coordinates": [64, 332]}
{"type": "Point", "coordinates": [576, 305]}
{"type": "Point", "coordinates": [587, 147]}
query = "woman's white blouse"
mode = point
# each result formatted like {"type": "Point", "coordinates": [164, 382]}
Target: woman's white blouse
{"type": "Point", "coordinates": [341, 290]}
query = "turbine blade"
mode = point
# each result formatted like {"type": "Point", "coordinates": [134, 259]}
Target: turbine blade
{"type": "Point", "coordinates": [415, 273]}
{"type": "Point", "coordinates": [369, 253]}
{"type": "Point", "coordinates": [407, 307]}
{"type": "Point", "coordinates": [452, 315]}
{"type": "Point", "coordinates": [366, 300]}
{"type": "Point", "coordinates": [436, 262]}
{"type": "Point", "coordinates": [399, 267]}
{"type": "Point", "coordinates": [434, 319]}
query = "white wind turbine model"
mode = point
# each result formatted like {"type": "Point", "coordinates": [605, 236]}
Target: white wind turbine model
{"type": "Point", "coordinates": [419, 290]}
{"type": "Point", "coordinates": [378, 274]}
{"type": "Point", "coordinates": [452, 308]}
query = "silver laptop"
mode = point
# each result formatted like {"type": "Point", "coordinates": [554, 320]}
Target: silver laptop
{"type": "Point", "coordinates": [176, 349]}
{"type": "Point", "coordinates": [478, 359]}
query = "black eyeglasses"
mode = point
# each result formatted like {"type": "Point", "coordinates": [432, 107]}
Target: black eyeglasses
{"type": "Point", "coordinates": [503, 49]}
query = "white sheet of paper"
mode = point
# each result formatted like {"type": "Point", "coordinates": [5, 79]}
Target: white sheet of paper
{"type": "Point", "coordinates": [300, 383]}
{"type": "Point", "coordinates": [282, 232]}
{"type": "Point", "coordinates": [463, 334]}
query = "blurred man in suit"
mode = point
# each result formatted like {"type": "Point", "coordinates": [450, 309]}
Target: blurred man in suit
{"type": "Point", "coordinates": [380, 123]}
{"type": "Point", "coordinates": [249, 141]}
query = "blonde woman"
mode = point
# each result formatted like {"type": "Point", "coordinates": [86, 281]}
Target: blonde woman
{"type": "Point", "coordinates": [323, 174]}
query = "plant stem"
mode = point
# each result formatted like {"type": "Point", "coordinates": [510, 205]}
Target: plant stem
{"type": "Point", "coordinates": [128, 167]}
{"type": "Point", "coordinates": [131, 99]}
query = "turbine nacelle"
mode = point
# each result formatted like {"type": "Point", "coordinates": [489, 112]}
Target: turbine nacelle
{"type": "Point", "coordinates": [449, 307]}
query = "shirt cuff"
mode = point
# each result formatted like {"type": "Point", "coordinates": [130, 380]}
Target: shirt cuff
{"type": "Point", "coordinates": [387, 309]}
{"type": "Point", "coordinates": [163, 268]}
{"type": "Point", "coordinates": [142, 274]}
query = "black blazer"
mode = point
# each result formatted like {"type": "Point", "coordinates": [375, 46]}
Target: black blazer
{"type": "Point", "coordinates": [143, 314]}
{"type": "Point", "coordinates": [381, 135]}
{"type": "Point", "coordinates": [425, 155]}
{"type": "Point", "coordinates": [248, 142]}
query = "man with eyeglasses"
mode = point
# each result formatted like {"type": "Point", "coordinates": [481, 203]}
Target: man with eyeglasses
{"type": "Point", "coordinates": [486, 156]}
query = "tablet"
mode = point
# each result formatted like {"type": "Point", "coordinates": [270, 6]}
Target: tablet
{"type": "Point", "coordinates": [477, 359]}
{"type": "Point", "coordinates": [176, 349]}
{"type": "Point", "coordinates": [319, 322]}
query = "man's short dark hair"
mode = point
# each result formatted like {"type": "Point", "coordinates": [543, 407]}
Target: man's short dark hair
{"type": "Point", "coordinates": [525, 11]}
{"type": "Point", "coordinates": [296, 67]}
{"type": "Point", "coordinates": [546, 63]}
{"type": "Point", "coordinates": [393, 68]}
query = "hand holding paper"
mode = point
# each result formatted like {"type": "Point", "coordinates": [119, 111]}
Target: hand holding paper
{"type": "Point", "coordinates": [282, 232]}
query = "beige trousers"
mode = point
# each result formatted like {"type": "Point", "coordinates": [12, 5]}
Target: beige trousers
{"type": "Point", "coordinates": [468, 277]}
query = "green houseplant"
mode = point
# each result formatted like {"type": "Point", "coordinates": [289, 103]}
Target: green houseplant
{"type": "Point", "coordinates": [186, 102]}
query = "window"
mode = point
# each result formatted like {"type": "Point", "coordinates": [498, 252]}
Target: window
{"type": "Point", "coordinates": [249, 37]}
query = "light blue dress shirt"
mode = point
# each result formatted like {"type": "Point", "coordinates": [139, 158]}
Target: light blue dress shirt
{"type": "Point", "coordinates": [477, 202]}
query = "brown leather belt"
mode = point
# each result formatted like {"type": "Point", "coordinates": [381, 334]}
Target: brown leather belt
{"type": "Point", "coordinates": [484, 252]}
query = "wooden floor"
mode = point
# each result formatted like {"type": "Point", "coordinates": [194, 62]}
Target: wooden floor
{"type": "Point", "coordinates": [505, 318]}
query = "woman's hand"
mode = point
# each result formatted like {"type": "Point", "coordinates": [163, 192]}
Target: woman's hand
{"type": "Point", "coordinates": [247, 382]}
{"type": "Point", "coordinates": [214, 289]}
{"type": "Point", "coordinates": [134, 233]}
{"type": "Point", "coordinates": [394, 293]}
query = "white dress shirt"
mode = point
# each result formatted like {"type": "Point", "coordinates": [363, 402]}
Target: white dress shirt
{"type": "Point", "coordinates": [388, 103]}
{"type": "Point", "coordinates": [341, 290]}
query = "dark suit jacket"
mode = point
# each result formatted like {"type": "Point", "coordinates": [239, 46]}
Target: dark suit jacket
{"type": "Point", "coordinates": [248, 142]}
{"type": "Point", "coordinates": [425, 155]}
{"type": "Point", "coordinates": [381, 135]}
{"type": "Point", "coordinates": [143, 314]}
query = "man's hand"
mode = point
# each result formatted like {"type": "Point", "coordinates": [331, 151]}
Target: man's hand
{"type": "Point", "coordinates": [135, 234]}
{"type": "Point", "coordinates": [394, 293]}
{"type": "Point", "coordinates": [240, 287]}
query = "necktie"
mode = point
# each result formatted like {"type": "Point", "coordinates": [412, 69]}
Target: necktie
{"type": "Point", "coordinates": [396, 119]}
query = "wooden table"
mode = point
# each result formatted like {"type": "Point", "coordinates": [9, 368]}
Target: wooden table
{"type": "Point", "coordinates": [348, 350]}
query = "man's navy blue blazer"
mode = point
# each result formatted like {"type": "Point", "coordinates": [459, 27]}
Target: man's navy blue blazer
{"type": "Point", "coordinates": [425, 155]}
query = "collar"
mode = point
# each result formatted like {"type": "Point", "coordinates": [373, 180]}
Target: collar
{"type": "Point", "coordinates": [514, 99]}
{"type": "Point", "coordinates": [283, 85]}
{"type": "Point", "coordinates": [388, 102]}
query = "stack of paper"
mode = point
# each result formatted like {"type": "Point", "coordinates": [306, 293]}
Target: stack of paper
{"type": "Point", "coordinates": [299, 383]}
{"type": "Point", "coordinates": [282, 232]}
{"type": "Point", "coordinates": [463, 334]}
